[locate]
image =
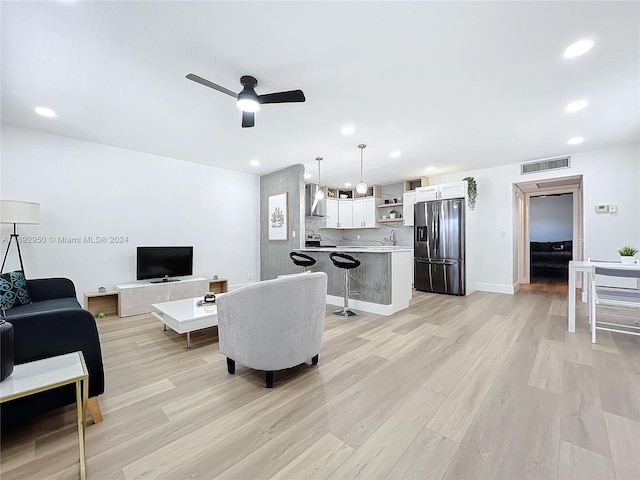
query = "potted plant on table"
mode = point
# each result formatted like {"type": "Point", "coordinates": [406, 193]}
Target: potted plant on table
{"type": "Point", "coordinates": [628, 254]}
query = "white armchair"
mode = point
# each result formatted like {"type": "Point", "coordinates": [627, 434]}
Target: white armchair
{"type": "Point", "coordinates": [273, 324]}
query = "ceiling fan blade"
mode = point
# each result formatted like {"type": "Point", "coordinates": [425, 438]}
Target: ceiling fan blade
{"type": "Point", "coordinates": [282, 97]}
{"type": "Point", "coordinates": [248, 119]}
{"type": "Point", "coordinates": [207, 83]}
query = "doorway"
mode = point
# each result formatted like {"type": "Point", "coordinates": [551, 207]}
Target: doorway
{"type": "Point", "coordinates": [550, 231]}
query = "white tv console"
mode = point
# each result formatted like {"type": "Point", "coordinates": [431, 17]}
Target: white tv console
{"type": "Point", "coordinates": [136, 298]}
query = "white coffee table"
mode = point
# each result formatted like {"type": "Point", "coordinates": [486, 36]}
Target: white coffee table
{"type": "Point", "coordinates": [53, 372]}
{"type": "Point", "coordinates": [185, 316]}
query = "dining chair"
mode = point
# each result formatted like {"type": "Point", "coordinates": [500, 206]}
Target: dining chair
{"type": "Point", "coordinates": [622, 302]}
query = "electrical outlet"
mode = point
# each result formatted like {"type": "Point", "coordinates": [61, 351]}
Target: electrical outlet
{"type": "Point", "coordinates": [357, 237]}
{"type": "Point", "coordinates": [294, 234]}
{"type": "Point", "coordinates": [251, 276]}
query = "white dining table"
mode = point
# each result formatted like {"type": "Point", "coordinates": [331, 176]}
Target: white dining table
{"type": "Point", "coordinates": [586, 267]}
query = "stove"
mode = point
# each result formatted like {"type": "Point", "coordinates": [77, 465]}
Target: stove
{"type": "Point", "coordinates": [313, 240]}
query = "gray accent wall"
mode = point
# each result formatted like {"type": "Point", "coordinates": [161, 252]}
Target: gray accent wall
{"type": "Point", "coordinates": [274, 254]}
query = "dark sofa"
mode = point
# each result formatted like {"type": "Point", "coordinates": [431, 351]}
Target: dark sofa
{"type": "Point", "coordinates": [550, 259]}
{"type": "Point", "coordinates": [53, 324]}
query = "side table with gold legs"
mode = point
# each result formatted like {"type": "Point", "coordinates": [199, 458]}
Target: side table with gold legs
{"type": "Point", "coordinates": [46, 374]}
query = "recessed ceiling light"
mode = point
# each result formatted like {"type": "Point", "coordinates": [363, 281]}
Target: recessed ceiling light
{"type": "Point", "coordinates": [45, 112]}
{"type": "Point", "coordinates": [430, 169]}
{"type": "Point", "coordinates": [576, 106]}
{"type": "Point", "coordinates": [579, 48]}
{"type": "Point", "coordinates": [307, 176]}
{"type": "Point", "coordinates": [255, 163]}
{"type": "Point", "coordinates": [395, 153]}
{"type": "Point", "coordinates": [575, 140]}
{"type": "Point", "coordinates": [348, 129]}
{"type": "Point", "coordinates": [348, 184]}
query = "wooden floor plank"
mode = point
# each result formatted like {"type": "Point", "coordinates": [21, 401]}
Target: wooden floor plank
{"type": "Point", "coordinates": [379, 453]}
{"type": "Point", "coordinates": [547, 370]}
{"type": "Point", "coordinates": [624, 438]}
{"type": "Point", "coordinates": [581, 412]}
{"type": "Point", "coordinates": [427, 457]}
{"type": "Point", "coordinates": [318, 461]}
{"type": "Point", "coordinates": [577, 462]}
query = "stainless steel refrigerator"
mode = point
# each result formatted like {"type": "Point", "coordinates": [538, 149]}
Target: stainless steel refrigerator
{"type": "Point", "coordinates": [439, 246]}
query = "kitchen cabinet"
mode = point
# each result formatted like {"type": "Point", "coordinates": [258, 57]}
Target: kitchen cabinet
{"type": "Point", "coordinates": [424, 194]}
{"type": "Point", "coordinates": [408, 201]}
{"type": "Point", "coordinates": [364, 213]}
{"type": "Point", "coordinates": [345, 210]}
{"type": "Point", "coordinates": [345, 213]}
{"type": "Point", "coordinates": [331, 220]}
{"type": "Point", "coordinates": [442, 191]}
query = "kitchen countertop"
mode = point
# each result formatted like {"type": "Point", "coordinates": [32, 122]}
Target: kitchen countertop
{"type": "Point", "coordinates": [358, 249]}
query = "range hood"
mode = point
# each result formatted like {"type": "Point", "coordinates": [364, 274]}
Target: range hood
{"type": "Point", "coordinates": [313, 207]}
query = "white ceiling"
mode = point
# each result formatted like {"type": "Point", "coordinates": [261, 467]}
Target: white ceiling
{"type": "Point", "coordinates": [454, 85]}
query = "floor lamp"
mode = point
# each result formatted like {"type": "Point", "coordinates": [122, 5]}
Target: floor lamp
{"type": "Point", "coordinates": [15, 212]}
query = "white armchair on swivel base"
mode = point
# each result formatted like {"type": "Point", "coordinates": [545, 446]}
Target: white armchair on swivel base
{"type": "Point", "coordinates": [274, 324]}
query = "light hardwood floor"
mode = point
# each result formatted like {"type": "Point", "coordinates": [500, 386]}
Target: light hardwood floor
{"type": "Point", "coordinates": [485, 386]}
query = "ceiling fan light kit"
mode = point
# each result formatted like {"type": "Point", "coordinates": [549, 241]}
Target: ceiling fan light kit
{"type": "Point", "coordinates": [247, 104]}
{"type": "Point", "coordinates": [248, 100]}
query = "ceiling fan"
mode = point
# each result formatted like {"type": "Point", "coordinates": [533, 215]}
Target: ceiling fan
{"type": "Point", "coordinates": [248, 100]}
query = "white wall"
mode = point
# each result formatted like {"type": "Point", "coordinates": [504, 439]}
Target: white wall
{"type": "Point", "coordinates": [551, 218]}
{"type": "Point", "coordinates": [610, 176]}
{"type": "Point", "coordinates": [92, 190]}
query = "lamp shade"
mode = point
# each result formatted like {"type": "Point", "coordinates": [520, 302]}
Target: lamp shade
{"type": "Point", "coordinates": [12, 211]}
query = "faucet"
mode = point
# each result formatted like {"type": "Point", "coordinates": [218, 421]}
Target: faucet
{"type": "Point", "coordinates": [392, 237]}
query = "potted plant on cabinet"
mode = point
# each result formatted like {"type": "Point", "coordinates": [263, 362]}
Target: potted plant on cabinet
{"type": "Point", "coordinates": [628, 254]}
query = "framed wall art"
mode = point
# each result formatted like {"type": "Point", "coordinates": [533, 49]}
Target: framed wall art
{"type": "Point", "coordinates": [278, 217]}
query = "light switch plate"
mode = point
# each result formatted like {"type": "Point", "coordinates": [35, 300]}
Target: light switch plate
{"type": "Point", "coordinates": [613, 208]}
{"type": "Point", "coordinates": [602, 208]}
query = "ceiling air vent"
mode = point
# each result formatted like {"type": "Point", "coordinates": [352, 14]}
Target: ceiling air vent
{"type": "Point", "coordinates": [544, 165]}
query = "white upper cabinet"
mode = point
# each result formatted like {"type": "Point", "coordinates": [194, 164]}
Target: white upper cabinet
{"type": "Point", "coordinates": [370, 212]}
{"type": "Point", "coordinates": [331, 220]}
{"type": "Point", "coordinates": [442, 191]}
{"type": "Point", "coordinates": [453, 189]}
{"type": "Point", "coordinates": [364, 213]}
{"type": "Point", "coordinates": [408, 201]}
{"type": "Point", "coordinates": [345, 213]}
{"type": "Point", "coordinates": [358, 213]}
{"type": "Point", "coordinates": [424, 194]}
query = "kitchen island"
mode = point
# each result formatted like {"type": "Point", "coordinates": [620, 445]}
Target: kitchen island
{"type": "Point", "coordinates": [382, 283]}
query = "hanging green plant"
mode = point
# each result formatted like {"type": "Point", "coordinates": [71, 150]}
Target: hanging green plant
{"type": "Point", "coordinates": [472, 192]}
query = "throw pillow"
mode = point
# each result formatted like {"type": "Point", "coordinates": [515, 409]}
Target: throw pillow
{"type": "Point", "coordinates": [13, 290]}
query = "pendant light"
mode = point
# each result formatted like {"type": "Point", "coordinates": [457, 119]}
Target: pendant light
{"type": "Point", "coordinates": [361, 188]}
{"type": "Point", "coordinates": [319, 192]}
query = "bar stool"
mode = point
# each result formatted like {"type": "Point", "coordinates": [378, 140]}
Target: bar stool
{"type": "Point", "coordinates": [346, 262]}
{"type": "Point", "coordinates": [302, 260]}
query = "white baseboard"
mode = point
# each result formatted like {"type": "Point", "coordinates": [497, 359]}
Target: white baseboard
{"type": "Point", "coordinates": [495, 288]}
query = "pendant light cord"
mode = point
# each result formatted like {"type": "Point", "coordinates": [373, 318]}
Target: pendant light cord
{"type": "Point", "coordinates": [362, 187]}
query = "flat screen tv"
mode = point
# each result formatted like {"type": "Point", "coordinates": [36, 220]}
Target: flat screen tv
{"type": "Point", "coordinates": [163, 262]}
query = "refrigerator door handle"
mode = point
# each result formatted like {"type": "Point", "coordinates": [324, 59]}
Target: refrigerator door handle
{"type": "Point", "coordinates": [434, 228]}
